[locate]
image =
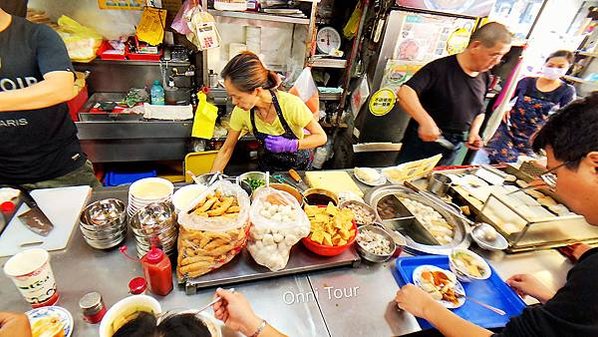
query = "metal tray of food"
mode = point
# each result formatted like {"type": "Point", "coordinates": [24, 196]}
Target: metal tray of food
{"type": "Point", "coordinates": [244, 269]}
{"type": "Point", "coordinates": [554, 226]}
{"type": "Point", "coordinates": [416, 235]}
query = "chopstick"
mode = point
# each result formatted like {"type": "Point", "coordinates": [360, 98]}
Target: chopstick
{"type": "Point", "coordinates": [217, 299]}
{"type": "Point", "coordinates": [487, 306]}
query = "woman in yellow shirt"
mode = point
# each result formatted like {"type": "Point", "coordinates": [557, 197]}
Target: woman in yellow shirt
{"type": "Point", "coordinates": [277, 119]}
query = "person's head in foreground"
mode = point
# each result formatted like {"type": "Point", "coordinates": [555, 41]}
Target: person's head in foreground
{"type": "Point", "coordinates": [570, 139]}
{"type": "Point", "coordinates": [180, 325]}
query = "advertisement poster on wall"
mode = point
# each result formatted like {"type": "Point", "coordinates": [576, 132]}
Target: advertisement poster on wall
{"type": "Point", "coordinates": [475, 8]}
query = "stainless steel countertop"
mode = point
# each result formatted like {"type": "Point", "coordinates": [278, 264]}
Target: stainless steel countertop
{"type": "Point", "coordinates": [349, 301]}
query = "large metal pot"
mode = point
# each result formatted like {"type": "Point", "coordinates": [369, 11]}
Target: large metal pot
{"type": "Point", "coordinates": [417, 239]}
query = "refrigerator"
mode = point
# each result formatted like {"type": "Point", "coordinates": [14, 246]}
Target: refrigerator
{"type": "Point", "coordinates": [410, 39]}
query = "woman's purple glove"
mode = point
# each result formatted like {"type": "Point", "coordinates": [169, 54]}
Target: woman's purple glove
{"type": "Point", "coordinates": [279, 144]}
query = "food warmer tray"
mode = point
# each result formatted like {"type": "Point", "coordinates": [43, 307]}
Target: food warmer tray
{"type": "Point", "coordinates": [552, 232]}
{"type": "Point", "coordinates": [244, 269]}
{"type": "Point", "coordinates": [493, 291]}
{"type": "Point", "coordinates": [416, 236]}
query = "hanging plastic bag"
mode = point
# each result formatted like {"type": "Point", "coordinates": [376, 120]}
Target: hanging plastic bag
{"type": "Point", "coordinates": [205, 118]}
{"type": "Point", "coordinates": [81, 42]}
{"type": "Point", "coordinates": [213, 230]}
{"type": "Point", "coordinates": [179, 23]}
{"type": "Point", "coordinates": [204, 33]}
{"type": "Point", "coordinates": [306, 89]}
{"type": "Point", "coordinates": [278, 223]}
{"type": "Point", "coordinates": [360, 95]}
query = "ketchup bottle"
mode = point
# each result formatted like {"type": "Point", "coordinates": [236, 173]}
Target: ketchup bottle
{"type": "Point", "coordinates": [157, 271]}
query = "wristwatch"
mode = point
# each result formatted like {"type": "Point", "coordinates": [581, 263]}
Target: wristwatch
{"type": "Point", "coordinates": [260, 328]}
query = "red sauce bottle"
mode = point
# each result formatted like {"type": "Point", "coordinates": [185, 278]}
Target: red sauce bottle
{"type": "Point", "coordinates": [157, 271]}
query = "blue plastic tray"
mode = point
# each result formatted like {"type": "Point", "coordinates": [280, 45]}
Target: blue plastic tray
{"type": "Point", "coordinates": [493, 291]}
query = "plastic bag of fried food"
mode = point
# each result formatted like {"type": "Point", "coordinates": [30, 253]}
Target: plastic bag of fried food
{"type": "Point", "coordinates": [212, 230]}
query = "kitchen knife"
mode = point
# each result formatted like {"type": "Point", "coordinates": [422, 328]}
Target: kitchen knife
{"type": "Point", "coordinates": [298, 179]}
{"type": "Point", "coordinates": [34, 218]}
{"type": "Point", "coordinates": [445, 143]}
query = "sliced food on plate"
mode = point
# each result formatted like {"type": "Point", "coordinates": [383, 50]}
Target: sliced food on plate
{"type": "Point", "coordinates": [441, 284]}
{"type": "Point", "coordinates": [369, 176]}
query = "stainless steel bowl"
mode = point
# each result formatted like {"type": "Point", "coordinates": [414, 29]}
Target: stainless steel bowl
{"type": "Point", "coordinates": [103, 223]}
{"type": "Point", "coordinates": [155, 224]}
{"type": "Point", "coordinates": [369, 255]}
{"type": "Point", "coordinates": [367, 209]}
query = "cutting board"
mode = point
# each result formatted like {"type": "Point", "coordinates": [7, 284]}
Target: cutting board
{"type": "Point", "coordinates": [334, 181]}
{"type": "Point", "coordinates": [61, 205]}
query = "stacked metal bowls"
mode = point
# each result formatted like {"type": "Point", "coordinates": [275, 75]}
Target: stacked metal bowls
{"type": "Point", "coordinates": [155, 224]}
{"type": "Point", "coordinates": [104, 223]}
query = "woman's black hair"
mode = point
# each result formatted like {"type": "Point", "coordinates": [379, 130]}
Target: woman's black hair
{"type": "Point", "coordinates": [175, 325]}
{"type": "Point", "coordinates": [144, 325]}
{"type": "Point", "coordinates": [572, 132]}
{"type": "Point", "coordinates": [183, 325]}
{"type": "Point", "coordinates": [562, 53]}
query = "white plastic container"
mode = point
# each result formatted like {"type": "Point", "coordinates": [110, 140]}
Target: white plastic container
{"type": "Point", "coordinates": [230, 5]}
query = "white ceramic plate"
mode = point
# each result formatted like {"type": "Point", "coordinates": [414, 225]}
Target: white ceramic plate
{"type": "Point", "coordinates": [65, 317]}
{"type": "Point", "coordinates": [417, 280]}
{"type": "Point", "coordinates": [379, 182]}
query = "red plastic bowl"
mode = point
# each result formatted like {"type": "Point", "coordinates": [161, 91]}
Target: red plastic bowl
{"type": "Point", "coordinates": [324, 250]}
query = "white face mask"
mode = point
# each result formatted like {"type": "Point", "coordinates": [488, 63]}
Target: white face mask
{"type": "Point", "coordinates": [553, 73]}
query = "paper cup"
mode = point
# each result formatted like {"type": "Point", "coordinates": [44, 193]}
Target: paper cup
{"type": "Point", "coordinates": [31, 273]}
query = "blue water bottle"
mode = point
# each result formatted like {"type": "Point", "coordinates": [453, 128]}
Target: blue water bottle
{"type": "Point", "coordinates": [157, 93]}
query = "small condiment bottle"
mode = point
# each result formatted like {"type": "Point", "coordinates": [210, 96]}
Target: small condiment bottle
{"type": "Point", "coordinates": [157, 271]}
{"type": "Point", "coordinates": [93, 307]}
{"type": "Point", "coordinates": [137, 286]}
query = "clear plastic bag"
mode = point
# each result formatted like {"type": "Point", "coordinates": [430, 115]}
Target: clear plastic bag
{"type": "Point", "coordinates": [305, 87]}
{"type": "Point", "coordinates": [213, 230]}
{"type": "Point", "coordinates": [278, 223]}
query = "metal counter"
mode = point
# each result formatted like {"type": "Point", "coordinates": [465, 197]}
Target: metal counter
{"type": "Point", "coordinates": [342, 302]}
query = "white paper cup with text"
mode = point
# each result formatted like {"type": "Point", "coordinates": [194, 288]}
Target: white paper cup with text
{"type": "Point", "coordinates": [31, 273]}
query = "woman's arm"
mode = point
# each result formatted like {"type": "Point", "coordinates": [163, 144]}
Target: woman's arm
{"type": "Point", "coordinates": [317, 136]}
{"type": "Point", "coordinates": [226, 151]}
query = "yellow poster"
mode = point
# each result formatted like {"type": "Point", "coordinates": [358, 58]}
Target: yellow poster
{"type": "Point", "coordinates": [382, 102]}
{"type": "Point", "coordinates": [121, 4]}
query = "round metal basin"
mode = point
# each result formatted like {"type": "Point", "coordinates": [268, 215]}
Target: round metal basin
{"type": "Point", "coordinates": [417, 237]}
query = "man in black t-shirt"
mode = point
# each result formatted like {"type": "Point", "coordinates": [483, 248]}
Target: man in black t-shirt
{"type": "Point", "coordinates": [38, 140]}
{"type": "Point", "coordinates": [570, 139]}
{"type": "Point", "coordinates": [445, 98]}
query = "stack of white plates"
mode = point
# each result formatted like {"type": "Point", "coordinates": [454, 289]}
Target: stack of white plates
{"type": "Point", "coordinates": [146, 191]}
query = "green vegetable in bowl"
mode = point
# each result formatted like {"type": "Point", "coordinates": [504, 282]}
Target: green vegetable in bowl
{"type": "Point", "coordinates": [254, 183]}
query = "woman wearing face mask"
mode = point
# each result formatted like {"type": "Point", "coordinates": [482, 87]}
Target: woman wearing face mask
{"type": "Point", "coordinates": [277, 119]}
{"type": "Point", "coordinates": [537, 98]}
